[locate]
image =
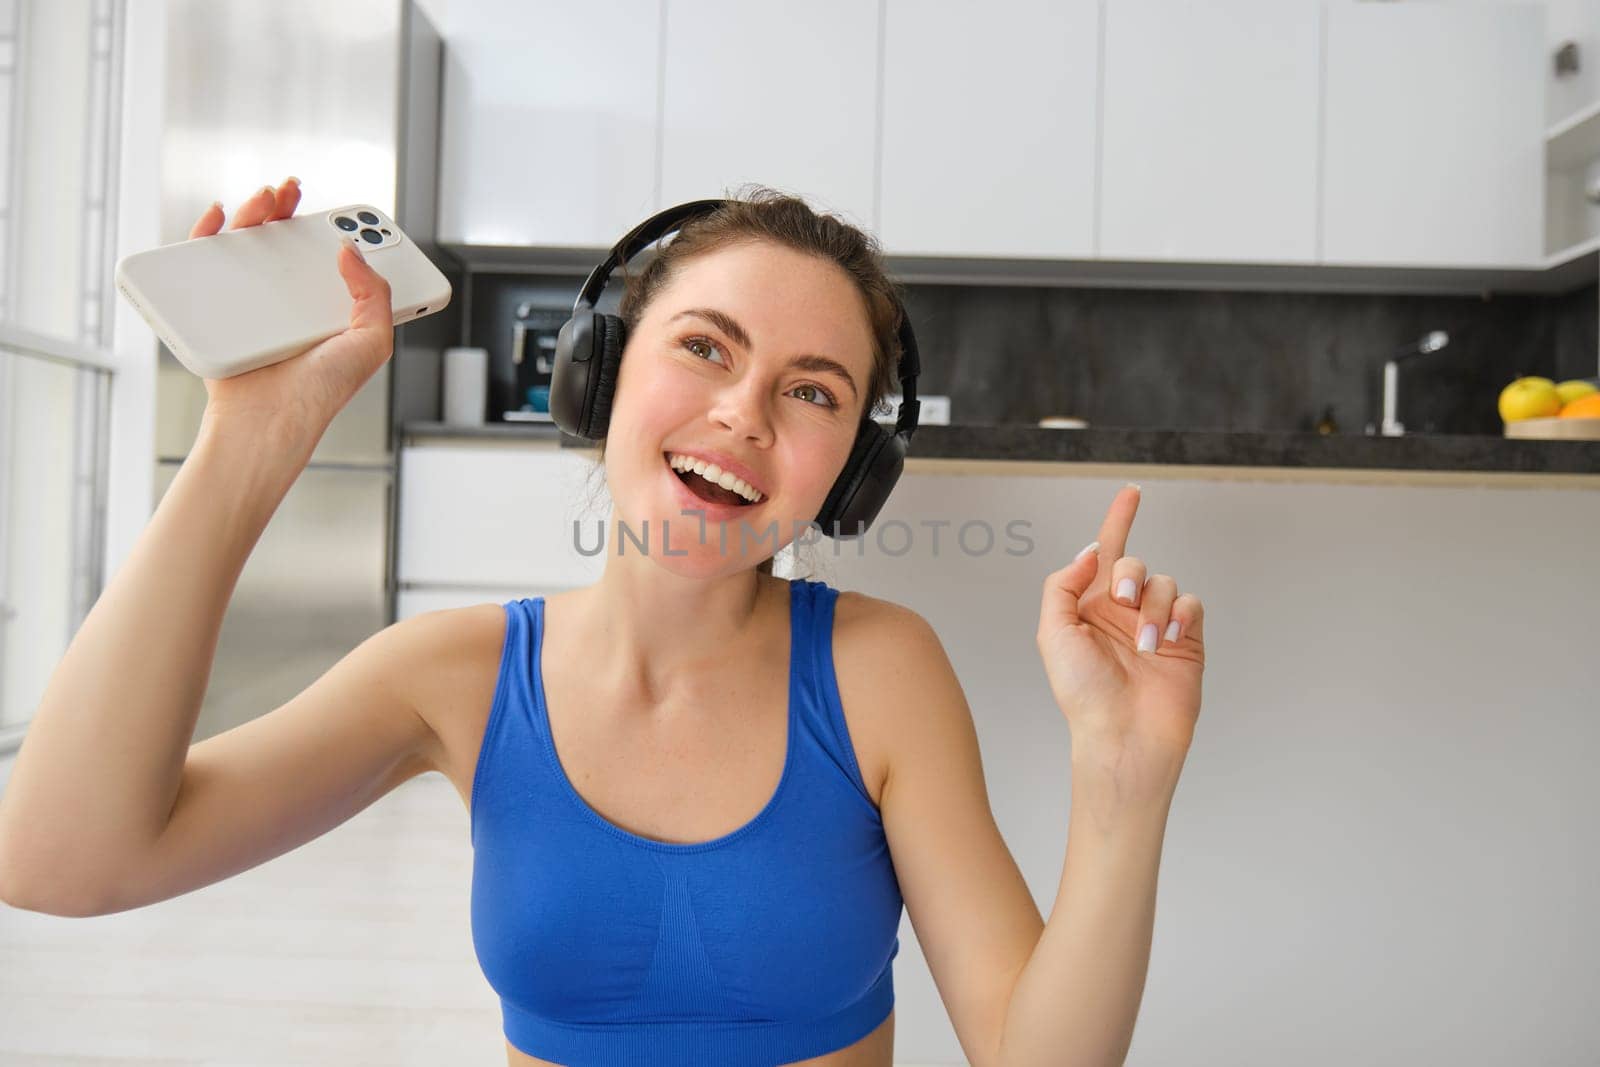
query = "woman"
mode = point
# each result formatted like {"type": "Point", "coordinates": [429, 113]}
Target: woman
{"type": "Point", "coordinates": [682, 853]}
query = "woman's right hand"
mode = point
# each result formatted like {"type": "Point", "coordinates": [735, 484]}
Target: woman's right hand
{"type": "Point", "coordinates": [302, 394]}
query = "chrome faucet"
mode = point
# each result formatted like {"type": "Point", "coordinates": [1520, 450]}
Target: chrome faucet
{"type": "Point", "coordinates": [1430, 342]}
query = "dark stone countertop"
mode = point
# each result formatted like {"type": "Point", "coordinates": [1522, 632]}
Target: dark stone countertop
{"type": "Point", "coordinates": [1033, 444]}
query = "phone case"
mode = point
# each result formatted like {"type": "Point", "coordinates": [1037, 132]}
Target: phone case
{"type": "Point", "coordinates": [242, 299]}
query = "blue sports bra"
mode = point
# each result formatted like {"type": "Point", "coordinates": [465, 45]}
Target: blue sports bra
{"type": "Point", "coordinates": [767, 945]}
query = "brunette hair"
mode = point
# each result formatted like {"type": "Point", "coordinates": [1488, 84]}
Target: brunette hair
{"type": "Point", "coordinates": [759, 213]}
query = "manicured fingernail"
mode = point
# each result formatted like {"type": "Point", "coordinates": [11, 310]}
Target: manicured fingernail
{"type": "Point", "coordinates": [1125, 590]}
{"type": "Point", "coordinates": [1136, 487]}
{"type": "Point", "coordinates": [291, 178]}
{"type": "Point", "coordinates": [217, 204]}
{"type": "Point", "coordinates": [1172, 630]}
{"type": "Point", "coordinates": [1147, 637]}
{"type": "Point", "coordinates": [268, 190]}
{"type": "Point", "coordinates": [1088, 548]}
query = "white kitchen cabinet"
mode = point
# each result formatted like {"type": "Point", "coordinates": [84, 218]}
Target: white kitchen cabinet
{"type": "Point", "coordinates": [781, 94]}
{"type": "Point", "coordinates": [1434, 127]}
{"type": "Point", "coordinates": [549, 122]}
{"type": "Point", "coordinates": [989, 133]}
{"type": "Point", "coordinates": [484, 520]}
{"type": "Point", "coordinates": [1210, 131]}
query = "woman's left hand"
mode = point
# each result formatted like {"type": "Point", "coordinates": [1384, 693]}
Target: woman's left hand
{"type": "Point", "coordinates": [1132, 711]}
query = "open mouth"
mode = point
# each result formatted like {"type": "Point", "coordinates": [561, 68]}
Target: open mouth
{"type": "Point", "coordinates": [707, 490]}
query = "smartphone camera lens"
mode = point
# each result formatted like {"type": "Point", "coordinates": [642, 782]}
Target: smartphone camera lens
{"type": "Point", "coordinates": [344, 222]}
{"type": "Point", "coordinates": [372, 237]}
{"type": "Point", "coordinates": [367, 217]}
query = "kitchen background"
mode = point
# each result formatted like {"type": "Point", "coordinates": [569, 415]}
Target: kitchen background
{"type": "Point", "coordinates": [1169, 220]}
{"type": "Point", "coordinates": [1184, 359]}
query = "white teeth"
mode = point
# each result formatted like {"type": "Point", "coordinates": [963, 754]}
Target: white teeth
{"type": "Point", "coordinates": [713, 473]}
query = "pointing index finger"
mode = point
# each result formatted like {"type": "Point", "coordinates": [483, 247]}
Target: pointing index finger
{"type": "Point", "coordinates": [1119, 521]}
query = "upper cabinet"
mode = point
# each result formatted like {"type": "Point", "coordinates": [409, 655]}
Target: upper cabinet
{"type": "Point", "coordinates": [784, 95]}
{"type": "Point", "coordinates": [1210, 131]}
{"type": "Point", "coordinates": [550, 134]}
{"type": "Point", "coordinates": [1103, 135]}
{"type": "Point", "coordinates": [989, 127]}
{"type": "Point", "coordinates": [1434, 150]}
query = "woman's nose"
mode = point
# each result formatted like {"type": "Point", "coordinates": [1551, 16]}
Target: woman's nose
{"type": "Point", "coordinates": [742, 407]}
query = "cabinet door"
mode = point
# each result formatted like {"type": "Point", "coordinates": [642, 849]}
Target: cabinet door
{"type": "Point", "coordinates": [549, 128]}
{"type": "Point", "coordinates": [499, 516]}
{"type": "Point", "coordinates": [1435, 134]}
{"type": "Point", "coordinates": [989, 127]}
{"type": "Point", "coordinates": [1210, 131]}
{"type": "Point", "coordinates": [781, 94]}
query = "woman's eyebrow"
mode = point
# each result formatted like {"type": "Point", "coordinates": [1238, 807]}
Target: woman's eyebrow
{"type": "Point", "coordinates": [730, 326]}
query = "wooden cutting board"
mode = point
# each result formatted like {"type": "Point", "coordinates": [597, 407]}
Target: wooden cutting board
{"type": "Point", "coordinates": [1553, 428]}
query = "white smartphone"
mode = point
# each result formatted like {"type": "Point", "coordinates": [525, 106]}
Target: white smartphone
{"type": "Point", "coordinates": [242, 299]}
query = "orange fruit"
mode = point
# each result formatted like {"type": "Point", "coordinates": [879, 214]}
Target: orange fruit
{"type": "Point", "coordinates": [1585, 407]}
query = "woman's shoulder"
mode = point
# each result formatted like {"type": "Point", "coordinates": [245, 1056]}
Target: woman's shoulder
{"type": "Point", "coordinates": [879, 638]}
{"type": "Point", "coordinates": [862, 617]}
{"type": "Point", "coordinates": [454, 636]}
{"type": "Point", "coordinates": [453, 668]}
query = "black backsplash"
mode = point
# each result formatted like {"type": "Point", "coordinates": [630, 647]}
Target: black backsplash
{"type": "Point", "coordinates": [1239, 361]}
{"type": "Point", "coordinates": [1193, 360]}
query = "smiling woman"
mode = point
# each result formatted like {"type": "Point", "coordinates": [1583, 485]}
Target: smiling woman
{"type": "Point", "coordinates": [650, 882]}
{"type": "Point", "coordinates": [700, 797]}
{"type": "Point", "coordinates": [760, 230]}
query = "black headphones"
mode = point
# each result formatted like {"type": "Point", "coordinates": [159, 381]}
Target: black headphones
{"type": "Point", "coordinates": [589, 353]}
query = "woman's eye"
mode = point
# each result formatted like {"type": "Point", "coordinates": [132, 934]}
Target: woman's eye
{"type": "Point", "coordinates": [699, 345]}
{"type": "Point", "coordinates": [817, 390]}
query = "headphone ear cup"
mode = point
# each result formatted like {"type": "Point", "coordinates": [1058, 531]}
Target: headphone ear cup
{"type": "Point", "coordinates": [863, 486]}
{"type": "Point", "coordinates": [584, 375]}
{"type": "Point", "coordinates": [610, 336]}
{"type": "Point", "coordinates": [573, 372]}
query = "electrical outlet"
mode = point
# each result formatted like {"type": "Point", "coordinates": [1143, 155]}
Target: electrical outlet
{"type": "Point", "coordinates": [931, 410]}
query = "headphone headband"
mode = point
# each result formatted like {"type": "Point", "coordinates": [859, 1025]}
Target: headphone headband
{"type": "Point", "coordinates": [637, 240]}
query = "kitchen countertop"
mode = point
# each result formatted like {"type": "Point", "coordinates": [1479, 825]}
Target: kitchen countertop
{"type": "Point", "coordinates": [1024, 449]}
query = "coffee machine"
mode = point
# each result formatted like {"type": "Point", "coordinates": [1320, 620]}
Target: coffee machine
{"type": "Point", "coordinates": [533, 348]}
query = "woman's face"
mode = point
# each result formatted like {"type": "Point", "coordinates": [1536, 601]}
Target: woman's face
{"type": "Point", "coordinates": [756, 353]}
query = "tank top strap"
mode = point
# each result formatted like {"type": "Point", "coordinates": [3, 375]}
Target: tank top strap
{"type": "Point", "coordinates": [515, 733]}
{"type": "Point", "coordinates": [816, 700]}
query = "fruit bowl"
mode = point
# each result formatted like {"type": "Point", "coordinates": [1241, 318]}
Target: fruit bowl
{"type": "Point", "coordinates": [1555, 427]}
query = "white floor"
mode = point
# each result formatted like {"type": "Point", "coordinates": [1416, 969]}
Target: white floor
{"type": "Point", "coordinates": [353, 949]}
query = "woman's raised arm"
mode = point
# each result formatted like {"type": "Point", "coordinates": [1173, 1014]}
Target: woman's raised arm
{"type": "Point", "coordinates": [108, 806]}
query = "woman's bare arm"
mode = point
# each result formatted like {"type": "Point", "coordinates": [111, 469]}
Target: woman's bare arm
{"type": "Point", "coordinates": [98, 774]}
{"type": "Point", "coordinates": [108, 806]}
{"type": "Point", "coordinates": [117, 810]}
